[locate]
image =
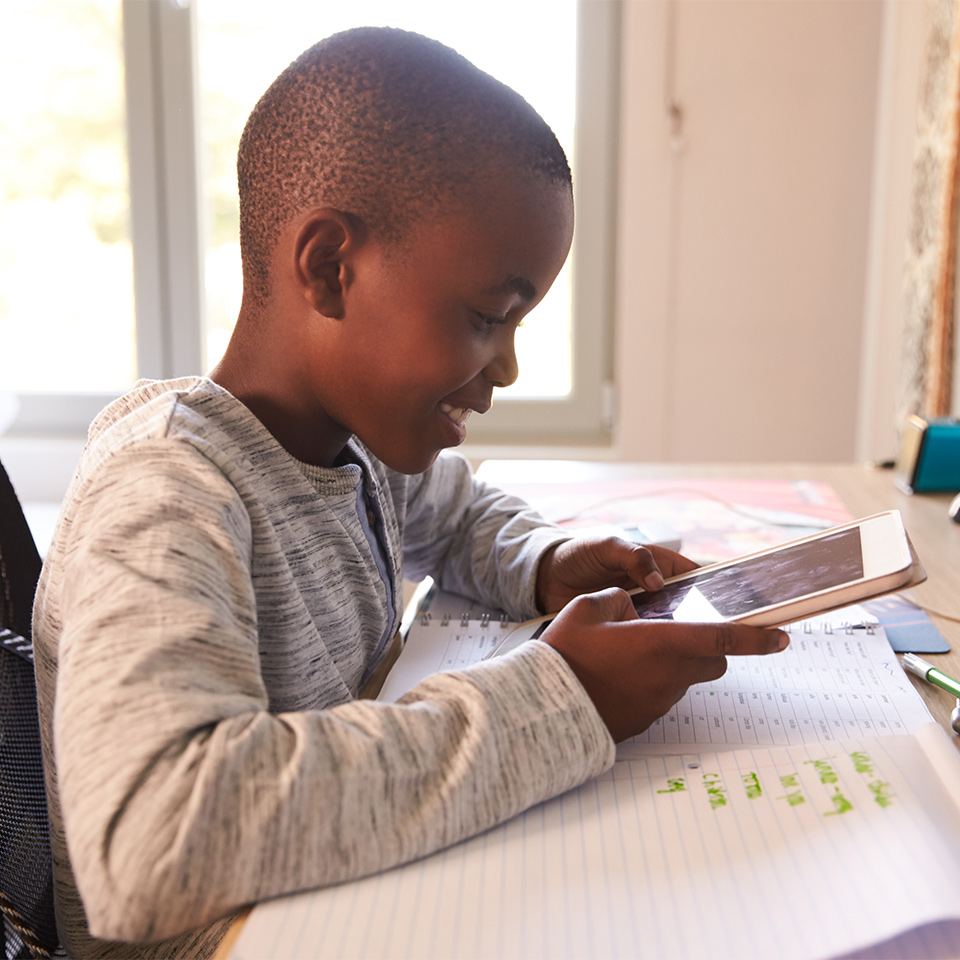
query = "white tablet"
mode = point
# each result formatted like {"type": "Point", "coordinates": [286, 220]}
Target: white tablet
{"type": "Point", "coordinates": [830, 569]}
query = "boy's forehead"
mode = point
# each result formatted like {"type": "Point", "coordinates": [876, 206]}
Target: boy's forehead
{"type": "Point", "coordinates": [506, 179]}
{"type": "Point", "coordinates": [511, 236]}
{"type": "Point", "coordinates": [489, 199]}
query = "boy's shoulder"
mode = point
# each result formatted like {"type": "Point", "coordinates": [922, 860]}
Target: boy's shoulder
{"type": "Point", "coordinates": [191, 409]}
{"type": "Point", "coordinates": [158, 408]}
{"type": "Point", "coordinates": [193, 416]}
{"type": "Point", "coordinates": [190, 412]}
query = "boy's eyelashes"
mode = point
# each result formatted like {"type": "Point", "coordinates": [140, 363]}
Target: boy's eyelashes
{"type": "Point", "coordinates": [492, 320]}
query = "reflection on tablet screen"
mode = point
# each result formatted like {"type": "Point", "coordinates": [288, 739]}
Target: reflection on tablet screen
{"type": "Point", "coordinates": [741, 588]}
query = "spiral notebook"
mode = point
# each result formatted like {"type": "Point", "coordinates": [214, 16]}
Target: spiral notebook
{"type": "Point", "coordinates": [442, 631]}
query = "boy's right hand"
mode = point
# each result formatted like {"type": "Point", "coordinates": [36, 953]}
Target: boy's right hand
{"type": "Point", "coordinates": [635, 670]}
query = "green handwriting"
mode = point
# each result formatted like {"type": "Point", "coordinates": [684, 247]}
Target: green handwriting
{"type": "Point", "coordinates": [752, 782]}
{"type": "Point", "coordinates": [862, 763]}
{"type": "Point", "coordinates": [716, 793]}
{"type": "Point", "coordinates": [840, 804]}
{"type": "Point", "coordinates": [794, 795]}
{"type": "Point", "coordinates": [674, 785]}
{"type": "Point", "coordinates": [794, 798]}
{"type": "Point", "coordinates": [825, 772]}
{"type": "Point", "coordinates": [882, 793]}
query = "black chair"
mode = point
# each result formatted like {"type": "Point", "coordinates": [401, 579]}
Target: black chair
{"type": "Point", "coordinates": [26, 874]}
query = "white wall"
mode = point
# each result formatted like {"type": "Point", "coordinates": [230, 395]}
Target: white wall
{"type": "Point", "coordinates": [743, 250]}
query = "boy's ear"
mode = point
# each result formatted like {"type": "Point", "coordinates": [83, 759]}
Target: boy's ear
{"type": "Point", "coordinates": [325, 238]}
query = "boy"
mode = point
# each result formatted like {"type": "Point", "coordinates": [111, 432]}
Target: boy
{"type": "Point", "coordinates": [225, 577]}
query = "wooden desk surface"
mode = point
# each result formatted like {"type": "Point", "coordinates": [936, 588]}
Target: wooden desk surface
{"type": "Point", "coordinates": [863, 489]}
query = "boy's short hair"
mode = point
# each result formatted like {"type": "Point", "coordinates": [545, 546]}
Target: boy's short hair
{"type": "Point", "coordinates": [384, 124]}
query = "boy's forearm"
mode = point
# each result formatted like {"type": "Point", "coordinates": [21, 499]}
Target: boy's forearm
{"type": "Point", "coordinates": [259, 805]}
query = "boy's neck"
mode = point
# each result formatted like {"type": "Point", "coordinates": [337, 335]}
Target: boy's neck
{"type": "Point", "coordinates": [307, 434]}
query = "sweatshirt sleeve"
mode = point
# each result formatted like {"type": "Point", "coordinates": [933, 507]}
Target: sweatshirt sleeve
{"type": "Point", "coordinates": [183, 796]}
{"type": "Point", "coordinates": [475, 539]}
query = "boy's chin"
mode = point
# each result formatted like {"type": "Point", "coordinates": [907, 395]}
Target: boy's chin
{"type": "Point", "coordinates": [409, 462]}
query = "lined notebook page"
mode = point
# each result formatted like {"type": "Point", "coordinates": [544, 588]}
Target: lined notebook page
{"type": "Point", "coordinates": [805, 851]}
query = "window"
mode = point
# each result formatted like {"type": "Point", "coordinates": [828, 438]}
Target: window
{"type": "Point", "coordinates": [66, 281]}
{"type": "Point", "coordinates": [190, 81]}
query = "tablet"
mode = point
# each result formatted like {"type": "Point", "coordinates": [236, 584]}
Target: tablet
{"type": "Point", "coordinates": [817, 573]}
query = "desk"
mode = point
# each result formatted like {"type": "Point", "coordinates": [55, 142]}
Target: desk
{"type": "Point", "coordinates": [863, 489]}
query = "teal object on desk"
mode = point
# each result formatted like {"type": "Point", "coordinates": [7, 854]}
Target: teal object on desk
{"type": "Point", "coordinates": [930, 456]}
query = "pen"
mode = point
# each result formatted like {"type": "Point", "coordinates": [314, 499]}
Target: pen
{"type": "Point", "coordinates": [930, 673]}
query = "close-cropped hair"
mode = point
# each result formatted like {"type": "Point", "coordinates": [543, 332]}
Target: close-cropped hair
{"type": "Point", "coordinates": [383, 124]}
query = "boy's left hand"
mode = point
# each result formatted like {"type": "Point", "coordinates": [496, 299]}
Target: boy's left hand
{"type": "Point", "coordinates": [593, 563]}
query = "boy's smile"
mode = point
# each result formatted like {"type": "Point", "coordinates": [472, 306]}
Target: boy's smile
{"type": "Point", "coordinates": [428, 323]}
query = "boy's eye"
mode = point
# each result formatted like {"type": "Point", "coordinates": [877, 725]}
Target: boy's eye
{"type": "Point", "coordinates": [491, 320]}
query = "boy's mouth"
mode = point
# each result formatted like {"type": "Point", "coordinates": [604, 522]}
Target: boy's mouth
{"type": "Point", "coordinates": [458, 415]}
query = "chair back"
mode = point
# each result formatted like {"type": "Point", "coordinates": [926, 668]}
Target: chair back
{"type": "Point", "coordinates": [26, 873]}
{"type": "Point", "coordinates": [19, 562]}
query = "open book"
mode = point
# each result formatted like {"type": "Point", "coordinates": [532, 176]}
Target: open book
{"type": "Point", "coordinates": [804, 805]}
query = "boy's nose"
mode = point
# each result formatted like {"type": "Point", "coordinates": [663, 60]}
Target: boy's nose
{"type": "Point", "coordinates": [503, 369]}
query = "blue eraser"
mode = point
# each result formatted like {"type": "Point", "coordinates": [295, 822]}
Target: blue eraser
{"type": "Point", "coordinates": [907, 627]}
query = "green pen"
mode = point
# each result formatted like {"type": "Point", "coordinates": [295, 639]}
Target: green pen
{"type": "Point", "coordinates": [931, 674]}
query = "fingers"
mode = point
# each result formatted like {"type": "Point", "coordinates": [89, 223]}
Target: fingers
{"type": "Point", "coordinates": [635, 670]}
{"type": "Point", "coordinates": [736, 639]}
{"type": "Point", "coordinates": [575, 567]}
{"type": "Point", "coordinates": [641, 563]}
{"type": "Point", "coordinates": [612, 605]}
{"type": "Point", "coordinates": [628, 564]}
{"type": "Point", "coordinates": [670, 563]}
{"type": "Point", "coordinates": [705, 646]}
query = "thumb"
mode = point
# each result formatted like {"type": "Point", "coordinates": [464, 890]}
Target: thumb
{"type": "Point", "coordinates": [612, 605]}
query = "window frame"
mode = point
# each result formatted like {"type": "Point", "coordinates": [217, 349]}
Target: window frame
{"type": "Point", "coordinates": [167, 231]}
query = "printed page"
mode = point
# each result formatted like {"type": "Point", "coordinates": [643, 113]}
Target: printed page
{"type": "Point", "coordinates": [447, 632]}
{"type": "Point", "coordinates": [835, 680]}
{"type": "Point", "coordinates": [829, 684]}
{"type": "Point", "coordinates": [789, 852]}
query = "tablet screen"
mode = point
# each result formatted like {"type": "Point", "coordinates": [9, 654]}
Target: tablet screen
{"type": "Point", "coordinates": [741, 588]}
